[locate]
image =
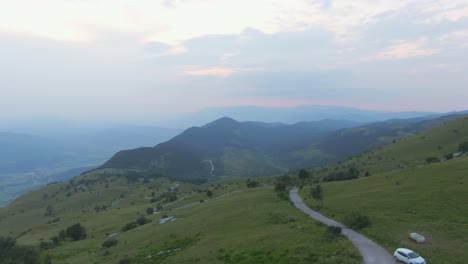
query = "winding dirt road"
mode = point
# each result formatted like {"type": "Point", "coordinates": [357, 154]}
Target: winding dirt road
{"type": "Point", "coordinates": [371, 252]}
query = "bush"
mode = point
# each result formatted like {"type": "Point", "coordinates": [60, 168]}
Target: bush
{"type": "Point", "coordinates": [281, 218]}
{"type": "Point", "coordinates": [129, 226]}
{"type": "Point", "coordinates": [149, 210]}
{"type": "Point", "coordinates": [110, 243]}
{"type": "Point", "coordinates": [350, 174]}
{"type": "Point", "coordinates": [125, 261]}
{"type": "Point", "coordinates": [303, 174]}
{"type": "Point", "coordinates": [47, 245]}
{"type": "Point", "coordinates": [357, 220]}
{"type": "Point", "coordinates": [432, 159]}
{"type": "Point", "coordinates": [463, 147]}
{"type": "Point", "coordinates": [76, 232]}
{"type": "Point", "coordinates": [142, 220]}
{"type": "Point", "coordinates": [252, 184]}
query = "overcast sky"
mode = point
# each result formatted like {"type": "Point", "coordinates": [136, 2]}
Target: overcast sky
{"type": "Point", "coordinates": [147, 59]}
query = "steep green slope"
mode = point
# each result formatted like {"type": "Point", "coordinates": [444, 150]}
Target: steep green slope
{"type": "Point", "coordinates": [237, 225]}
{"type": "Point", "coordinates": [408, 151]}
{"type": "Point", "coordinates": [405, 193]}
{"type": "Point", "coordinates": [353, 141]}
{"type": "Point", "coordinates": [431, 200]}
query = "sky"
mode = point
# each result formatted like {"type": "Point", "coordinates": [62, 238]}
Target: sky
{"type": "Point", "coordinates": [127, 60]}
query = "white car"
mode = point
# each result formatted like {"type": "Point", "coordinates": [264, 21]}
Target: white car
{"type": "Point", "coordinates": [408, 256]}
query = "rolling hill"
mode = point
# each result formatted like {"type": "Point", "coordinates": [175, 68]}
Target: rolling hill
{"type": "Point", "coordinates": [234, 148]}
{"type": "Point", "coordinates": [261, 149]}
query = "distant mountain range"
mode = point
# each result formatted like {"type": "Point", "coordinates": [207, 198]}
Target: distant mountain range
{"type": "Point", "coordinates": [259, 149]}
{"type": "Point", "coordinates": [287, 115]}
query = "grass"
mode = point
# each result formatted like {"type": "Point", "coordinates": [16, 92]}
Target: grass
{"type": "Point", "coordinates": [238, 225]}
{"type": "Point", "coordinates": [431, 200]}
{"type": "Point", "coordinates": [407, 152]}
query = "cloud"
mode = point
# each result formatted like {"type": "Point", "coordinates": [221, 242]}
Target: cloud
{"type": "Point", "coordinates": [407, 49]}
{"type": "Point", "coordinates": [216, 72]}
{"type": "Point", "coordinates": [71, 53]}
{"type": "Point", "coordinates": [444, 10]}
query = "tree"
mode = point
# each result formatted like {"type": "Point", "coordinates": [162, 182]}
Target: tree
{"type": "Point", "coordinates": [353, 172]}
{"type": "Point", "coordinates": [76, 232]}
{"type": "Point", "coordinates": [209, 193]}
{"type": "Point", "coordinates": [303, 174]}
{"type": "Point", "coordinates": [149, 210]}
{"type": "Point", "coordinates": [449, 156]}
{"type": "Point", "coordinates": [129, 226]}
{"type": "Point", "coordinates": [110, 243]}
{"type": "Point", "coordinates": [62, 235]}
{"type": "Point", "coordinates": [142, 220]}
{"type": "Point", "coordinates": [317, 194]}
{"type": "Point", "coordinates": [49, 210]}
{"type": "Point", "coordinates": [463, 147]}
{"type": "Point", "coordinates": [252, 184]}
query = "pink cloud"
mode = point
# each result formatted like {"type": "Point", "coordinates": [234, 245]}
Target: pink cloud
{"type": "Point", "coordinates": [406, 50]}
{"type": "Point", "coordinates": [217, 72]}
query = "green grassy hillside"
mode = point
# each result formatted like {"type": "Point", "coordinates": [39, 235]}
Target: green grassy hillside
{"type": "Point", "coordinates": [405, 194]}
{"type": "Point", "coordinates": [235, 225]}
{"type": "Point", "coordinates": [430, 200]}
{"type": "Point", "coordinates": [408, 151]}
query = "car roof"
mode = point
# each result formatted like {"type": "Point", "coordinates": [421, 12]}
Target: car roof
{"type": "Point", "coordinates": [404, 250]}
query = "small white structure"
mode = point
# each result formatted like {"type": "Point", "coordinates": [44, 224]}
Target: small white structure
{"type": "Point", "coordinates": [417, 237]}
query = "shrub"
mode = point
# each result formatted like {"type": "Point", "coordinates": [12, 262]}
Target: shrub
{"type": "Point", "coordinates": [142, 220]}
{"type": "Point", "coordinates": [463, 147]}
{"type": "Point", "coordinates": [432, 159]}
{"type": "Point", "coordinates": [129, 226]}
{"type": "Point", "coordinates": [449, 156]}
{"type": "Point", "coordinates": [47, 245]}
{"type": "Point", "coordinates": [357, 220]}
{"type": "Point", "coordinates": [149, 210]}
{"type": "Point", "coordinates": [110, 243]}
{"type": "Point", "coordinates": [281, 218]}
{"type": "Point", "coordinates": [252, 184]}
{"type": "Point", "coordinates": [303, 174]}
{"type": "Point", "coordinates": [76, 232]}
{"type": "Point", "coordinates": [350, 174]}
{"type": "Point", "coordinates": [125, 261]}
